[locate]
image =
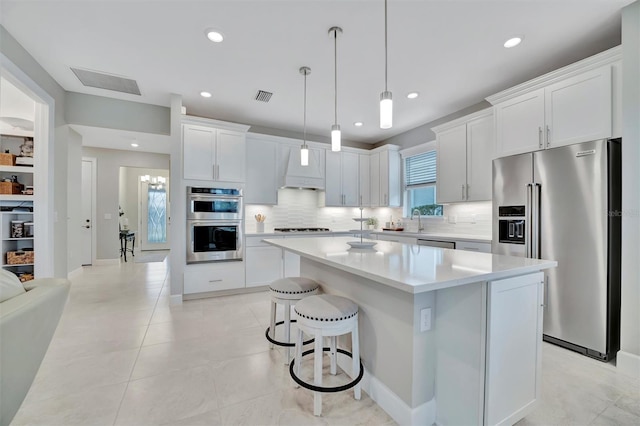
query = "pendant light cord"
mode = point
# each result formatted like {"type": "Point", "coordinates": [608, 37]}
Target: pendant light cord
{"type": "Point", "coordinates": [335, 73]}
{"type": "Point", "coordinates": [304, 126]}
{"type": "Point", "coordinates": [385, 46]}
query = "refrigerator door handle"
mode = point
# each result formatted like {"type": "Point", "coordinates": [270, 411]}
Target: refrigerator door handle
{"type": "Point", "coordinates": [536, 221]}
{"type": "Point", "coordinates": [528, 234]}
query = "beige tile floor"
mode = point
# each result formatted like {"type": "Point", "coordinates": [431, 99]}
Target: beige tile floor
{"type": "Point", "coordinates": [123, 356]}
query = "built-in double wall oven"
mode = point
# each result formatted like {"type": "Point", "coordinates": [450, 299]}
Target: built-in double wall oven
{"type": "Point", "coordinates": [214, 224]}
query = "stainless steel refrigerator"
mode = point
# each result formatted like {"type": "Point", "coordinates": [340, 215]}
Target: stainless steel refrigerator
{"type": "Point", "coordinates": [564, 204]}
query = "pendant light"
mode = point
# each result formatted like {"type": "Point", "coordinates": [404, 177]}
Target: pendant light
{"type": "Point", "coordinates": [335, 129]}
{"type": "Point", "coordinates": [386, 103]}
{"type": "Point", "coordinates": [304, 149]}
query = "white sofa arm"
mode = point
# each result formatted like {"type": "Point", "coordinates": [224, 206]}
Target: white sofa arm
{"type": "Point", "coordinates": [27, 324]}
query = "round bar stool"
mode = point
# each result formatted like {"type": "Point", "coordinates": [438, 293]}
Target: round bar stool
{"type": "Point", "coordinates": [286, 292]}
{"type": "Point", "coordinates": [320, 316]}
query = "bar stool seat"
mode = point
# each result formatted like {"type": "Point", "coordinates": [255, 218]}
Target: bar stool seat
{"type": "Point", "coordinates": [287, 291]}
{"type": "Point", "coordinates": [330, 316]}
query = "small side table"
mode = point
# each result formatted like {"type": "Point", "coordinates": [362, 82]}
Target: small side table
{"type": "Point", "coordinates": [125, 237]}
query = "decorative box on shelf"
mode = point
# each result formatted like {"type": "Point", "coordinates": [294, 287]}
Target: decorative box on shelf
{"type": "Point", "coordinates": [20, 257]}
{"type": "Point", "coordinates": [11, 187]}
{"type": "Point", "coordinates": [7, 159]}
{"type": "Point", "coordinates": [24, 161]}
{"type": "Point", "coordinates": [25, 276]}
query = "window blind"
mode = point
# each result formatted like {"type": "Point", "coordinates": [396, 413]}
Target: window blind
{"type": "Point", "coordinates": [420, 169]}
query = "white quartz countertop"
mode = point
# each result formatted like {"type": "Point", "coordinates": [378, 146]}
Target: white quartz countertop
{"type": "Point", "coordinates": [294, 234]}
{"type": "Point", "coordinates": [408, 267]}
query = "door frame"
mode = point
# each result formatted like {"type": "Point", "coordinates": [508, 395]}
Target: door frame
{"type": "Point", "coordinates": [44, 132]}
{"type": "Point", "coordinates": [94, 204]}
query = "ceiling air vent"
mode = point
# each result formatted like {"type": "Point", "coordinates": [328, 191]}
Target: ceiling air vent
{"type": "Point", "coordinates": [101, 80]}
{"type": "Point", "coordinates": [263, 96]}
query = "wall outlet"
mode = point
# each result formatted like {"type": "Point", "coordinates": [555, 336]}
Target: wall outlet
{"type": "Point", "coordinates": [453, 219]}
{"type": "Point", "coordinates": [107, 216]}
{"type": "Point", "coordinates": [425, 319]}
{"type": "Point", "coordinates": [473, 218]}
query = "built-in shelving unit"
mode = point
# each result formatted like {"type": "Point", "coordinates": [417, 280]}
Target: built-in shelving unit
{"type": "Point", "coordinates": [16, 210]}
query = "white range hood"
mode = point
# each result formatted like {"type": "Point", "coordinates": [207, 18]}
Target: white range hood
{"type": "Point", "coordinates": [298, 176]}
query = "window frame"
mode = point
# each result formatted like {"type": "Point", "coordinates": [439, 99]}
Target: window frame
{"type": "Point", "coordinates": [410, 152]}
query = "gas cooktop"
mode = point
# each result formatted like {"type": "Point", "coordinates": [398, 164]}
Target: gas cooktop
{"type": "Point", "coordinates": [301, 229]}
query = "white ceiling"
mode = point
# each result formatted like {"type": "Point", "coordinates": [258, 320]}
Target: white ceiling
{"type": "Point", "coordinates": [449, 51]}
{"type": "Point", "coordinates": [99, 137]}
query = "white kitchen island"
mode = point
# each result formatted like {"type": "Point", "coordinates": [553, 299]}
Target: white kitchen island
{"type": "Point", "coordinates": [446, 336]}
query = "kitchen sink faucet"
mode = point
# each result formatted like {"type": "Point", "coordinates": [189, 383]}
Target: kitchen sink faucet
{"type": "Point", "coordinates": [420, 227]}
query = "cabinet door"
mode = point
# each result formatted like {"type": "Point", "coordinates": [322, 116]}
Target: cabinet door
{"type": "Point", "coordinates": [514, 348]}
{"type": "Point", "coordinates": [364, 179]}
{"type": "Point", "coordinates": [578, 109]}
{"type": "Point", "coordinates": [520, 124]}
{"type": "Point", "coordinates": [263, 265]}
{"type": "Point", "coordinates": [479, 159]}
{"type": "Point", "coordinates": [333, 180]}
{"type": "Point", "coordinates": [451, 169]}
{"type": "Point", "coordinates": [384, 178]}
{"type": "Point", "coordinates": [198, 144]}
{"type": "Point", "coordinates": [230, 156]}
{"type": "Point", "coordinates": [394, 179]}
{"type": "Point", "coordinates": [350, 175]}
{"type": "Point", "coordinates": [262, 185]}
{"type": "Point", "coordinates": [291, 264]}
{"type": "Point", "coordinates": [375, 179]}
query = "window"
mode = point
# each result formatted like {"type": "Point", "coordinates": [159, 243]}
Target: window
{"type": "Point", "coordinates": [420, 184]}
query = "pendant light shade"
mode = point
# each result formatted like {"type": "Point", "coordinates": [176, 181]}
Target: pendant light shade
{"type": "Point", "coordinates": [336, 142]}
{"type": "Point", "coordinates": [386, 110]}
{"type": "Point", "coordinates": [304, 149]}
{"type": "Point", "coordinates": [386, 101]}
{"type": "Point", "coordinates": [335, 138]}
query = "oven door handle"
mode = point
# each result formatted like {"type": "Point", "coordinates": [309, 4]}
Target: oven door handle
{"type": "Point", "coordinates": [215, 197]}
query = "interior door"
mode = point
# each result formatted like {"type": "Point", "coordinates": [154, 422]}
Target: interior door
{"type": "Point", "coordinates": [86, 232]}
{"type": "Point", "coordinates": [154, 216]}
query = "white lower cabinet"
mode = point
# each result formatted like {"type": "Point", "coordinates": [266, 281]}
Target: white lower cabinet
{"type": "Point", "coordinates": [215, 276]}
{"type": "Point", "coordinates": [514, 348]}
{"type": "Point", "coordinates": [264, 262]}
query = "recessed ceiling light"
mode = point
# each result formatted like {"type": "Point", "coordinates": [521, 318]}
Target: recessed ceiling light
{"type": "Point", "coordinates": [413, 95]}
{"type": "Point", "coordinates": [513, 42]}
{"type": "Point", "coordinates": [135, 145]}
{"type": "Point", "coordinates": [358, 124]}
{"type": "Point", "coordinates": [214, 35]}
{"type": "Point", "coordinates": [205, 94]}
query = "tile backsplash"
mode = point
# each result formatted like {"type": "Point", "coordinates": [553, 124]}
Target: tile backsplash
{"type": "Point", "coordinates": [299, 208]}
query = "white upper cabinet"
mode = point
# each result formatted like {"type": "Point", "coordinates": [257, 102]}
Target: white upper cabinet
{"type": "Point", "coordinates": [213, 153]}
{"type": "Point", "coordinates": [520, 124]}
{"type": "Point", "coordinates": [262, 178]}
{"type": "Point", "coordinates": [342, 179]}
{"type": "Point", "coordinates": [465, 153]}
{"type": "Point", "coordinates": [451, 182]}
{"type": "Point", "coordinates": [198, 144]}
{"type": "Point", "coordinates": [385, 175]}
{"type": "Point", "coordinates": [577, 103]}
{"type": "Point", "coordinates": [364, 170]}
{"type": "Point", "coordinates": [578, 109]}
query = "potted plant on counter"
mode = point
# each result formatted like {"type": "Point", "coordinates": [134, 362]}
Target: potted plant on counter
{"type": "Point", "coordinates": [372, 223]}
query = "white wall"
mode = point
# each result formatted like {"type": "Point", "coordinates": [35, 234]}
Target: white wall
{"type": "Point", "coordinates": [108, 173]}
{"type": "Point", "coordinates": [74, 200]}
{"type": "Point", "coordinates": [98, 111]}
{"type": "Point", "coordinates": [629, 355]}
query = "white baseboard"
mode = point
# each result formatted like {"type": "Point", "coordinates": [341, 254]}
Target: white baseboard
{"type": "Point", "coordinates": [175, 299]}
{"type": "Point", "coordinates": [391, 403]}
{"type": "Point", "coordinates": [74, 273]}
{"type": "Point", "coordinates": [102, 262]}
{"type": "Point", "coordinates": [628, 363]}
